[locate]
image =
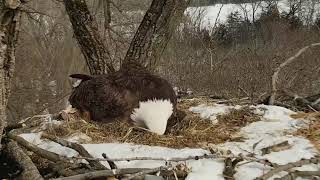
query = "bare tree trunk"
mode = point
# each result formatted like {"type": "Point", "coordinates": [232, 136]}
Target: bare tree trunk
{"type": "Point", "coordinates": [86, 32]}
{"type": "Point", "coordinates": [155, 31]}
{"type": "Point", "coordinates": [9, 19]}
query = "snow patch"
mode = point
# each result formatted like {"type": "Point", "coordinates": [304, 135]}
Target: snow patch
{"type": "Point", "coordinates": [211, 112]}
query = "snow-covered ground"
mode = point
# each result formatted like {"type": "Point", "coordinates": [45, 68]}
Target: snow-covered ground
{"type": "Point", "coordinates": [272, 129]}
{"type": "Point", "coordinates": [210, 14]}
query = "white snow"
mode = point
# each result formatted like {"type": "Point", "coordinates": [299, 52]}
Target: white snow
{"type": "Point", "coordinates": [272, 129]}
{"type": "Point", "coordinates": [213, 111]}
{"type": "Point", "coordinates": [208, 14]}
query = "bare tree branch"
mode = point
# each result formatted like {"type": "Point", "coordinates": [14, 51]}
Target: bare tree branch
{"type": "Point", "coordinates": [275, 76]}
{"type": "Point", "coordinates": [287, 167]}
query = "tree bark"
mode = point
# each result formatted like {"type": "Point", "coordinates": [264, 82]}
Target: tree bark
{"type": "Point", "coordinates": [155, 31]}
{"type": "Point", "coordinates": [9, 19]}
{"type": "Point", "coordinates": [86, 32]}
{"type": "Point", "coordinates": [146, 47]}
{"type": "Point", "coordinates": [30, 171]}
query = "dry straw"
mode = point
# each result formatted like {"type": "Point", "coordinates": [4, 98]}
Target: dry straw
{"type": "Point", "coordinates": [191, 131]}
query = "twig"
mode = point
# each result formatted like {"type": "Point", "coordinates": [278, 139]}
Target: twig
{"type": "Point", "coordinates": [287, 167]}
{"type": "Point", "coordinates": [80, 149]}
{"type": "Point", "coordinates": [30, 171]}
{"type": "Point", "coordinates": [275, 147]}
{"type": "Point", "coordinates": [205, 156]}
{"type": "Point", "coordinates": [275, 76]}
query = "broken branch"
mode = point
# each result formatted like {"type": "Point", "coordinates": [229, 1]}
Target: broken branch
{"type": "Point", "coordinates": [275, 76]}
{"type": "Point", "coordinates": [288, 166]}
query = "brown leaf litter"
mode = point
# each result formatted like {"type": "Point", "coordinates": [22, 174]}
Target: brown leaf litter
{"type": "Point", "coordinates": [191, 131]}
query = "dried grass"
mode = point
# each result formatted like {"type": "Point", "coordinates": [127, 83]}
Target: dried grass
{"type": "Point", "coordinates": [312, 131]}
{"type": "Point", "coordinates": [191, 131]}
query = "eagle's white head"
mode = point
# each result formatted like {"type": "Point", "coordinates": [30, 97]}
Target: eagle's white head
{"type": "Point", "coordinates": [153, 115]}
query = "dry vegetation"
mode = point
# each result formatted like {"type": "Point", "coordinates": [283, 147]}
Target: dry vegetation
{"type": "Point", "coordinates": [312, 130]}
{"type": "Point", "coordinates": [191, 131]}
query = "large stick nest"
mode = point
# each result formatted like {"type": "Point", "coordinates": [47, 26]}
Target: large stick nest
{"type": "Point", "coordinates": [191, 131]}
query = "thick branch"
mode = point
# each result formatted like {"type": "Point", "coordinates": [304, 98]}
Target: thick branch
{"type": "Point", "coordinates": [30, 171]}
{"type": "Point", "coordinates": [287, 167]}
{"type": "Point", "coordinates": [86, 32]}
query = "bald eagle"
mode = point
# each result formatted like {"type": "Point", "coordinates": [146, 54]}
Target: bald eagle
{"type": "Point", "coordinates": [131, 94]}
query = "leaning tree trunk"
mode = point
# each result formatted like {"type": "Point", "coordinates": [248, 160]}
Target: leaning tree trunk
{"type": "Point", "coordinates": [9, 19]}
{"type": "Point", "coordinates": [86, 32]}
{"type": "Point", "coordinates": [155, 31]}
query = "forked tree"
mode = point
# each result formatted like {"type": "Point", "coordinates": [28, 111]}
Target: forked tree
{"type": "Point", "coordinates": [147, 45]}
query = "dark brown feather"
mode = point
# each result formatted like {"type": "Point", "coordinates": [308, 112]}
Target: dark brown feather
{"type": "Point", "coordinates": [114, 96]}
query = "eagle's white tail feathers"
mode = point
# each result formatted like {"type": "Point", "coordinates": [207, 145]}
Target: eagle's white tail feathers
{"type": "Point", "coordinates": [153, 115]}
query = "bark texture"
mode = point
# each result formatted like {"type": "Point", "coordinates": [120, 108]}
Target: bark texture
{"type": "Point", "coordinates": [155, 31]}
{"type": "Point", "coordinates": [9, 19]}
{"type": "Point", "coordinates": [86, 32]}
{"type": "Point", "coordinates": [30, 171]}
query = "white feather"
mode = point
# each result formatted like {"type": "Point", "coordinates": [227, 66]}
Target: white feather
{"type": "Point", "coordinates": [154, 114]}
{"type": "Point", "coordinates": [76, 83]}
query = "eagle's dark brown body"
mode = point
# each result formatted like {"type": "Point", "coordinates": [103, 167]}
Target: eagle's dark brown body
{"type": "Point", "coordinates": [114, 96]}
